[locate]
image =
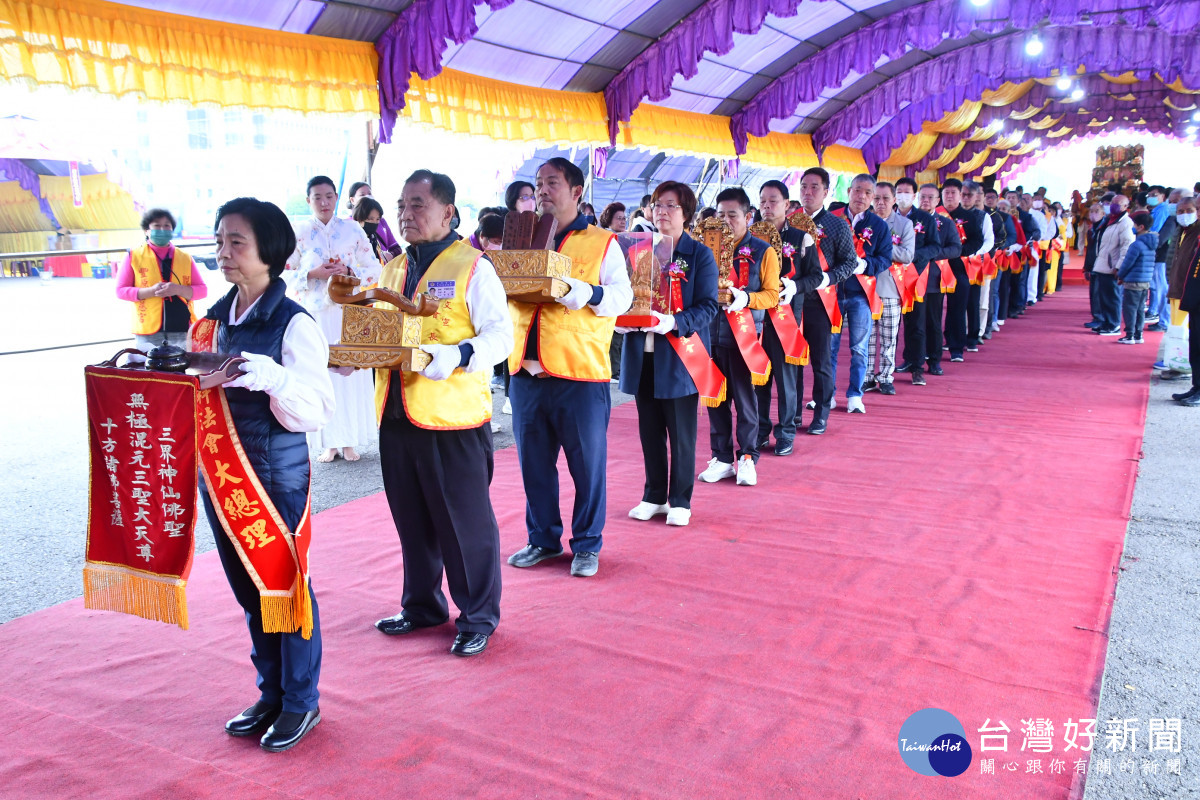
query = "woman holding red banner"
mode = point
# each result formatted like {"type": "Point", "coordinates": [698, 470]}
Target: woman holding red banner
{"type": "Point", "coordinates": [652, 370]}
{"type": "Point", "coordinates": [254, 464]}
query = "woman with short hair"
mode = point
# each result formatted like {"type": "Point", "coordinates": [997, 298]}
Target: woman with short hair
{"type": "Point", "coordinates": [613, 218]}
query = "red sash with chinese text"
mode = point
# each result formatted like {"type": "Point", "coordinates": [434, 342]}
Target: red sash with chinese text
{"type": "Point", "coordinates": [699, 365]}
{"type": "Point", "coordinates": [756, 358]}
{"type": "Point", "coordinates": [829, 296]}
{"type": "Point", "coordinates": [974, 267]}
{"type": "Point", "coordinates": [922, 284]}
{"type": "Point", "coordinates": [990, 266]}
{"type": "Point", "coordinates": [275, 558]}
{"type": "Point", "coordinates": [905, 276]}
{"type": "Point", "coordinates": [867, 283]}
{"type": "Point", "coordinates": [949, 280]}
{"type": "Point", "coordinates": [142, 492]}
{"type": "Point", "coordinates": [787, 328]}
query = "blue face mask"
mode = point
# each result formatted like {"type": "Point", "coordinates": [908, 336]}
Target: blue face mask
{"type": "Point", "coordinates": [160, 237]}
{"type": "Point", "coordinates": [1151, 202]}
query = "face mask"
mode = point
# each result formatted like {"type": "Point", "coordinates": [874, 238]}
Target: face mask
{"type": "Point", "coordinates": [1115, 208]}
{"type": "Point", "coordinates": [1151, 202]}
{"type": "Point", "coordinates": [1095, 216]}
{"type": "Point", "coordinates": [1186, 220]}
{"type": "Point", "coordinates": [904, 199]}
{"type": "Point", "coordinates": [160, 237]}
{"type": "Point", "coordinates": [370, 228]}
{"type": "Point", "coordinates": [1037, 204]}
{"type": "Point", "coordinates": [591, 220]}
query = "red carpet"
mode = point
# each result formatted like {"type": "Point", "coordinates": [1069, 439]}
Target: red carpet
{"type": "Point", "coordinates": [956, 547]}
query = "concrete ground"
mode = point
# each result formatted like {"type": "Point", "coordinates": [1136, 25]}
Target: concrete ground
{"type": "Point", "coordinates": [1155, 631]}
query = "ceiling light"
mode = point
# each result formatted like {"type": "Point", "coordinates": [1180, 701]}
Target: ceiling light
{"type": "Point", "coordinates": [1034, 46]}
{"type": "Point", "coordinates": [1191, 129]}
{"type": "Point", "coordinates": [1063, 83]}
{"type": "Point", "coordinates": [1196, 117]}
{"type": "Point", "coordinates": [1077, 94]}
{"type": "Point", "coordinates": [980, 3]}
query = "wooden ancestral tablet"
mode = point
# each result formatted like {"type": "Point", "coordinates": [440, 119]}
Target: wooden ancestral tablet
{"type": "Point", "coordinates": [717, 236]}
{"type": "Point", "coordinates": [769, 234]}
{"type": "Point", "coordinates": [532, 276]}
{"type": "Point", "coordinates": [380, 338]}
{"type": "Point", "coordinates": [645, 279]}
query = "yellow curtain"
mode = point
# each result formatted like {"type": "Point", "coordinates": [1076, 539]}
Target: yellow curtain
{"type": "Point", "coordinates": [1125, 77]}
{"type": "Point", "coordinates": [106, 206]}
{"type": "Point", "coordinates": [840, 158]}
{"type": "Point", "coordinates": [890, 173]}
{"type": "Point", "coordinates": [967, 167]}
{"type": "Point", "coordinates": [1170, 104]}
{"type": "Point", "coordinates": [1045, 122]}
{"type": "Point", "coordinates": [927, 176]}
{"type": "Point", "coordinates": [27, 242]}
{"type": "Point", "coordinates": [1026, 148]}
{"type": "Point", "coordinates": [1179, 87]}
{"type": "Point", "coordinates": [463, 103]}
{"type": "Point", "coordinates": [1063, 131]}
{"type": "Point", "coordinates": [686, 133]}
{"type": "Point", "coordinates": [1030, 112]}
{"type": "Point", "coordinates": [1009, 141]}
{"type": "Point", "coordinates": [1007, 94]}
{"type": "Point", "coordinates": [19, 210]}
{"type": "Point", "coordinates": [1096, 123]}
{"type": "Point", "coordinates": [782, 150]}
{"type": "Point", "coordinates": [915, 146]}
{"type": "Point", "coordinates": [947, 158]}
{"type": "Point", "coordinates": [117, 50]}
{"type": "Point", "coordinates": [955, 121]}
{"type": "Point", "coordinates": [992, 169]}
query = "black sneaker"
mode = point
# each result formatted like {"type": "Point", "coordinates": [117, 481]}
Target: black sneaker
{"type": "Point", "coordinates": [904, 367]}
{"type": "Point", "coordinates": [887, 388]}
{"type": "Point", "coordinates": [1109, 331]}
{"type": "Point", "coordinates": [956, 358]}
{"type": "Point", "coordinates": [871, 386]}
{"type": "Point", "coordinates": [936, 369]}
{"type": "Point", "coordinates": [918, 379]}
{"type": "Point", "coordinates": [1195, 390]}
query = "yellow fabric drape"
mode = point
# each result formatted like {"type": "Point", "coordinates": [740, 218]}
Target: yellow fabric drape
{"type": "Point", "coordinates": [782, 150]}
{"type": "Point", "coordinates": [1026, 148]}
{"type": "Point", "coordinates": [675, 132]}
{"type": "Point", "coordinates": [956, 121]}
{"type": "Point", "coordinates": [986, 132]}
{"type": "Point", "coordinates": [1097, 123]}
{"type": "Point", "coordinates": [1179, 87]}
{"type": "Point", "coordinates": [915, 146]}
{"type": "Point", "coordinates": [464, 103]}
{"type": "Point", "coordinates": [114, 49]}
{"type": "Point", "coordinates": [19, 210]}
{"type": "Point", "coordinates": [839, 158]}
{"type": "Point", "coordinates": [1045, 122]}
{"type": "Point", "coordinates": [1009, 141]}
{"type": "Point", "coordinates": [1007, 94]}
{"type": "Point", "coordinates": [1029, 113]}
{"type": "Point", "coordinates": [947, 158]}
{"type": "Point", "coordinates": [1063, 131]}
{"type": "Point", "coordinates": [890, 173]}
{"type": "Point", "coordinates": [1168, 102]}
{"type": "Point", "coordinates": [1125, 77]}
{"type": "Point", "coordinates": [992, 169]}
{"type": "Point", "coordinates": [26, 242]}
{"type": "Point", "coordinates": [967, 167]}
{"type": "Point", "coordinates": [106, 206]}
{"type": "Point", "coordinates": [927, 176]}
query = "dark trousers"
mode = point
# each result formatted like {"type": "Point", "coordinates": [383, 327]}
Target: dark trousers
{"type": "Point", "coordinates": [660, 420]}
{"type": "Point", "coordinates": [783, 379]}
{"type": "Point", "coordinates": [934, 303]}
{"type": "Point", "coordinates": [740, 390]}
{"type": "Point", "coordinates": [1108, 300]}
{"type": "Point", "coordinates": [288, 664]}
{"type": "Point", "coordinates": [1017, 290]}
{"type": "Point", "coordinates": [956, 310]}
{"type": "Point", "coordinates": [817, 332]}
{"type": "Point", "coordinates": [1133, 311]}
{"type": "Point", "coordinates": [1002, 297]}
{"type": "Point", "coordinates": [974, 298]}
{"type": "Point", "coordinates": [436, 484]}
{"type": "Point", "coordinates": [552, 415]}
{"type": "Point", "coordinates": [1043, 268]}
{"type": "Point", "coordinates": [614, 353]}
{"type": "Point", "coordinates": [1093, 297]}
{"type": "Point", "coordinates": [1194, 344]}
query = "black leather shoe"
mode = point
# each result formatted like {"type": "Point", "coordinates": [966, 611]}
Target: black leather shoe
{"type": "Point", "coordinates": [918, 379]}
{"type": "Point", "coordinates": [531, 554]}
{"type": "Point", "coordinates": [871, 385]}
{"type": "Point", "coordinates": [398, 625]}
{"type": "Point", "coordinates": [1185, 395]}
{"type": "Point", "coordinates": [936, 369]}
{"type": "Point", "coordinates": [289, 729]}
{"type": "Point", "coordinates": [784, 449]}
{"type": "Point", "coordinates": [816, 427]}
{"type": "Point", "coordinates": [255, 719]}
{"type": "Point", "coordinates": [887, 388]}
{"type": "Point", "coordinates": [1192, 401]}
{"type": "Point", "coordinates": [763, 444]}
{"type": "Point", "coordinates": [469, 644]}
{"type": "Point", "coordinates": [904, 367]}
{"type": "Point", "coordinates": [584, 565]}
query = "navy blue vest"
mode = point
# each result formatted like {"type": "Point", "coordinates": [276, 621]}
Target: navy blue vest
{"type": "Point", "coordinates": [722, 334]}
{"type": "Point", "coordinates": [279, 456]}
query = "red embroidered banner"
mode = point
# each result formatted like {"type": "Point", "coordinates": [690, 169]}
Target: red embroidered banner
{"type": "Point", "coordinates": [699, 365]}
{"type": "Point", "coordinates": [142, 492]}
{"type": "Point", "coordinates": [829, 296]}
{"type": "Point", "coordinates": [790, 337]}
{"type": "Point", "coordinates": [756, 358]}
{"type": "Point", "coordinates": [949, 279]}
{"type": "Point", "coordinates": [974, 265]}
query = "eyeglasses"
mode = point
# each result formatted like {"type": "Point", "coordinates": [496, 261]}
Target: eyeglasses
{"type": "Point", "coordinates": [665, 207]}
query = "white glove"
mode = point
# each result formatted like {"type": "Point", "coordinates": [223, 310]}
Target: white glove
{"type": "Point", "coordinates": [260, 373]}
{"type": "Point", "coordinates": [824, 281]}
{"type": "Point", "coordinates": [1014, 248]}
{"type": "Point", "coordinates": [666, 323]}
{"type": "Point", "coordinates": [622, 329]}
{"type": "Point", "coordinates": [789, 291]}
{"type": "Point", "coordinates": [740, 299]}
{"type": "Point", "coordinates": [445, 361]}
{"type": "Point", "coordinates": [861, 268]}
{"type": "Point", "coordinates": [579, 296]}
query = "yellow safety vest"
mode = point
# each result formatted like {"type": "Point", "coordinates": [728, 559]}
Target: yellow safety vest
{"type": "Point", "coordinates": [571, 344]}
{"type": "Point", "coordinates": [464, 400]}
{"type": "Point", "coordinates": [148, 313]}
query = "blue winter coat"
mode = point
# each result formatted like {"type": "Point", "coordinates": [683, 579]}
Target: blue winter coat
{"type": "Point", "coordinates": [1138, 266]}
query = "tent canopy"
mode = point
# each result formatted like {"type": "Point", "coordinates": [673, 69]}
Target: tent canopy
{"type": "Point", "coordinates": [778, 83]}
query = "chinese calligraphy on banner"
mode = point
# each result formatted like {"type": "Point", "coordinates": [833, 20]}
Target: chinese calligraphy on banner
{"type": "Point", "coordinates": [142, 497]}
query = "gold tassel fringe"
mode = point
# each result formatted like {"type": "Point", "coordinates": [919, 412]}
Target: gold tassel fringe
{"type": "Point", "coordinates": [116, 589]}
{"type": "Point", "coordinates": [713, 402]}
{"type": "Point", "coordinates": [286, 613]}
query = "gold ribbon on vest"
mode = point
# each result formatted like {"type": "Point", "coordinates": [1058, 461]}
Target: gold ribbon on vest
{"type": "Point", "coordinates": [275, 558]}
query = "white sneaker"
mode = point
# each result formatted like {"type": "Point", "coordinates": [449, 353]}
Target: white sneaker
{"type": "Point", "coordinates": [507, 409]}
{"type": "Point", "coordinates": [496, 427]}
{"type": "Point", "coordinates": [747, 474]}
{"type": "Point", "coordinates": [811, 404]}
{"type": "Point", "coordinates": [854, 405]}
{"type": "Point", "coordinates": [679, 516]}
{"type": "Point", "coordinates": [717, 470]}
{"type": "Point", "coordinates": [644, 510]}
{"type": "Point", "coordinates": [1000, 322]}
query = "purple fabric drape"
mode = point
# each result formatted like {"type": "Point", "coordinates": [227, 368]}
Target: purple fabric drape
{"type": "Point", "coordinates": [925, 26]}
{"type": "Point", "coordinates": [1032, 158]}
{"type": "Point", "coordinates": [892, 135]}
{"type": "Point", "coordinates": [966, 72]}
{"type": "Point", "coordinates": [708, 29]}
{"type": "Point", "coordinates": [415, 42]}
{"type": "Point", "coordinates": [13, 169]}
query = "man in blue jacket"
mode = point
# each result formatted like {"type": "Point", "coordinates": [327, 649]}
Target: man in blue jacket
{"type": "Point", "coordinates": [854, 295]}
{"type": "Point", "coordinates": [1135, 275]}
